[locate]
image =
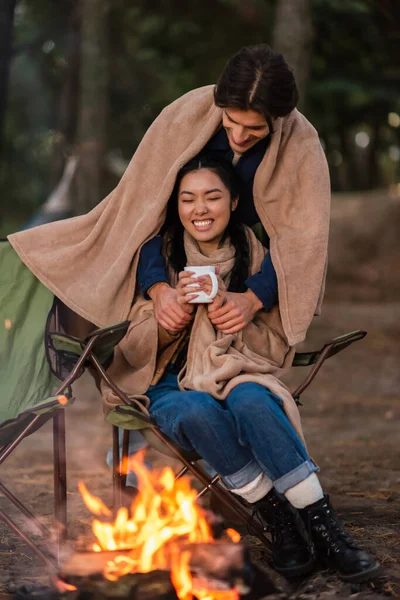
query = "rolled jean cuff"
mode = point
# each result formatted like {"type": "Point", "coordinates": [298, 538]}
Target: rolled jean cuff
{"type": "Point", "coordinates": [294, 477]}
{"type": "Point", "coordinates": [241, 478]}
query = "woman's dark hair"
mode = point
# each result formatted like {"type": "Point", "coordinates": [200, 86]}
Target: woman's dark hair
{"type": "Point", "coordinates": [257, 78]}
{"type": "Point", "coordinates": [176, 256]}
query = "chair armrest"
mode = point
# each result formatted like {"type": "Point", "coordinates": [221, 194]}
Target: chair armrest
{"type": "Point", "coordinates": [306, 359]}
{"type": "Point", "coordinates": [105, 340]}
{"type": "Point", "coordinates": [317, 358]}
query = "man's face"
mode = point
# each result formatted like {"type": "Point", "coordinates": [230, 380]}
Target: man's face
{"type": "Point", "coordinates": [244, 128]}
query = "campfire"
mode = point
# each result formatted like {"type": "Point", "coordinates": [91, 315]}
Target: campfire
{"type": "Point", "coordinates": [163, 530]}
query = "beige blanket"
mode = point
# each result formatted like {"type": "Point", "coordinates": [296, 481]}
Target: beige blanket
{"type": "Point", "coordinates": [216, 362]}
{"type": "Point", "coordinates": [90, 262]}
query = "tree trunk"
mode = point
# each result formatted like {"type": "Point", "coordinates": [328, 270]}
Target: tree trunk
{"type": "Point", "coordinates": [93, 102]}
{"type": "Point", "coordinates": [7, 9]}
{"type": "Point", "coordinates": [68, 100]}
{"type": "Point", "coordinates": [292, 36]}
{"type": "Point", "coordinates": [373, 179]}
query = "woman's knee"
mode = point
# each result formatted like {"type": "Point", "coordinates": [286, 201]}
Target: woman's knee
{"type": "Point", "coordinates": [197, 410]}
{"type": "Point", "coordinates": [184, 410]}
{"type": "Point", "coordinates": [252, 400]}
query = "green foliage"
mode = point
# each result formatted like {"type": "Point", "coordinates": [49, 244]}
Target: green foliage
{"type": "Point", "coordinates": [36, 78]}
{"type": "Point", "coordinates": [353, 74]}
{"type": "Point", "coordinates": [163, 50]}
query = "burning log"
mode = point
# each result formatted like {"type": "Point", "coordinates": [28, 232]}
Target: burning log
{"type": "Point", "coordinates": [164, 536]}
{"type": "Point", "coordinates": [137, 586]}
{"type": "Point", "coordinates": [222, 560]}
{"type": "Point", "coordinates": [217, 566]}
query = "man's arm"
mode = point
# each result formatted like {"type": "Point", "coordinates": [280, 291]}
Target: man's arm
{"type": "Point", "coordinates": [153, 283]}
{"type": "Point", "coordinates": [264, 284]}
{"type": "Point", "coordinates": [151, 267]}
{"type": "Point", "coordinates": [239, 309]}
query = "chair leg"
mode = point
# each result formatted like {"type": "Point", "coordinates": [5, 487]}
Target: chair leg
{"type": "Point", "coordinates": [8, 448]}
{"type": "Point", "coordinates": [117, 499]}
{"type": "Point", "coordinates": [124, 459]}
{"type": "Point", "coordinates": [223, 495]}
{"type": "Point", "coordinates": [44, 531]}
{"type": "Point", "coordinates": [181, 473]}
{"type": "Point", "coordinates": [60, 478]}
{"type": "Point", "coordinates": [50, 566]}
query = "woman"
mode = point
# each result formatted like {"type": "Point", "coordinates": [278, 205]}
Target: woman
{"type": "Point", "coordinates": [219, 393]}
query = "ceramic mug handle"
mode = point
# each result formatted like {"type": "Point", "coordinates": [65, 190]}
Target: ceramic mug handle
{"type": "Point", "coordinates": [214, 286]}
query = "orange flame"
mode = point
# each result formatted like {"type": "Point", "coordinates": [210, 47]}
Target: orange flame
{"type": "Point", "coordinates": [186, 587]}
{"type": "Point", "coordinates": [163, 513]}
{"type": "Point", "coordinates": [233, 534]}
{"type": "Point", "coordinates": [62, 586]}
{"type": "Point", "coordinates": [94, 504]}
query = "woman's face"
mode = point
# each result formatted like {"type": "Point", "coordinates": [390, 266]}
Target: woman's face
{"type": "Point", "coordinates": [244, 128]}
{"type": "Point", "coordinates": [204, 207]}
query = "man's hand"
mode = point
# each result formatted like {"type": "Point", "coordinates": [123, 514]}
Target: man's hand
{"type": "Point", "coordinates": [235, 313]}
{"type": "Point", "coordinates": [169, 313]}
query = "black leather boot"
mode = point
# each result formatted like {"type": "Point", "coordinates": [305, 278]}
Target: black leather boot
{"type": "Point", "coordinates": [335, 546]}
{"type": "Point", "coordinates": [292, 552]}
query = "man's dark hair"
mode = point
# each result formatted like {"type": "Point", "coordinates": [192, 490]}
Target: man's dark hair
{"type": "Point", "coordinates": [175, 250]}
{"type": "Point", "coordinates": [257, 78]}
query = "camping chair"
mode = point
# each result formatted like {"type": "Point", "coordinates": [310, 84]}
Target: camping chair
{"type": "Point", "coordinates": [38, 364]}
{"type": "Point", "coordinates": [128, 417]}
{"type": "Point", "coordinates": [131, 415]}
{"type": "Point", "coordinates": [29, 309]}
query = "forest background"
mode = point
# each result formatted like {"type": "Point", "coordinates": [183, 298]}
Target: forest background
{"type": "Point", "coordinates": [85, 78]}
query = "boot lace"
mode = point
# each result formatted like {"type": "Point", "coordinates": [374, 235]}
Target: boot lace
{"type": "Point", "coordinates": [333, 531]}
{"type": "Point", "coordinates": [283, 528]}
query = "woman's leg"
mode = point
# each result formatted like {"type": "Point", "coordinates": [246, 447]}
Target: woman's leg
{"type": "Point", "coordinates": [195, 420]}
{"type": "Point", "coordinates": [263, 427]}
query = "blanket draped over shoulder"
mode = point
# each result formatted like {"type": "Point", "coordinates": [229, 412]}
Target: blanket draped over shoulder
{"type": "Point", "coordinates": [90, 262]}
{"type": "Point", "coordinates": [216, 362]}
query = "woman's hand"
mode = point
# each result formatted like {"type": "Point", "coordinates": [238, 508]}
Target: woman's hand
{"type": "Point", "coordinates": [169, 312]}
{"type": "Point", "coordinates": [220, 299]}
{"type": "Point", "coordinates": [185, 289]}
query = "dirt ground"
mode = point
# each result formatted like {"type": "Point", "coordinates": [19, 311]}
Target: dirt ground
{"type": "Point", "coordinates": [351, 417]}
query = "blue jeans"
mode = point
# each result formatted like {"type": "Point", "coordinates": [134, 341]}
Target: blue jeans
{"type": "Point", "coordinates": [246, 434]}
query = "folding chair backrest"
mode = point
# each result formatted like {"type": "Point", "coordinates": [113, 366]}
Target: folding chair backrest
{"type": "Point", "coordinates": [69, 348]}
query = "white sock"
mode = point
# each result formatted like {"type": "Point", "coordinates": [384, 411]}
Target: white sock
{"type": "Point", "coordinates": [256, 489]}
{"type": "Point", "coordinates": [306, 492]}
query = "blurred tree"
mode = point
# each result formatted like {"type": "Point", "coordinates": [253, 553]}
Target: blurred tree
{"type": "Point", "coordinates": [36, 76]}
{"type": "Point", "coordinates": [93, 104]}
{"type": "Point", "coordinates": [355, 83]}
{"type": "Point", "coordinates": [161, 50]}
{"type": "Point", "coordinates": [292, 36]}
{"type": "Point", "coordinates": [148, 54]}
{"type": "Point", "coordinates": [67, 118]}
{"type": "Point", "coordinates": [7, 9]}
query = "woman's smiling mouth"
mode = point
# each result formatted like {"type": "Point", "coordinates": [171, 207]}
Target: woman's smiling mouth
{"type": "Point", "coordinates": [203, 225]}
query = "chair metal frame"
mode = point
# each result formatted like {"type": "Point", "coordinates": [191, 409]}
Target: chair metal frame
{"type": "Point", "coordinates": [56, 413]}
{"type": "Point", "coordinates": [152, 433]}
{"type": "Point", "coordinates": [190, 459]}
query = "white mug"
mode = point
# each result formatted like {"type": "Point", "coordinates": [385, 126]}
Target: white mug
{"type": "Point", "coordinates": [202, 297]}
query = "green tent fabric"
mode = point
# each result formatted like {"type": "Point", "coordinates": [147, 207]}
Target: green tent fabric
{"type": "Point", "coordinates": [26, 380]}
